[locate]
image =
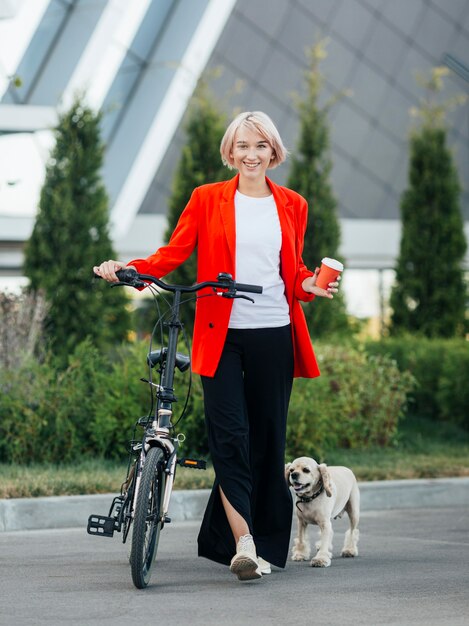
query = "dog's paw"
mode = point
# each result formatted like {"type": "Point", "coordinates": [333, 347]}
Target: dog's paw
{"type": "Point", "coordinates": [320, 561]}
{"type": "Point", "coordinates": [349, 553]}
{"type": "Point", "coordinates": [298, 556]}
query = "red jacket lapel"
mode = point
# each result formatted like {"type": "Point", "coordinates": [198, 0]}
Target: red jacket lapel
{"type": "Point", "coordinates": [227, 210]}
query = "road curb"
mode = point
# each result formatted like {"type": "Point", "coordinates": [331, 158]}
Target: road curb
{"type": "Point", "coordinates": [73, 511]}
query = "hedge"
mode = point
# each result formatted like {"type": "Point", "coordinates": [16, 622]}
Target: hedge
{"type": "Point", "coordinates": [441, 369]}
{"type": "Point", "coordinates": [90, 408]}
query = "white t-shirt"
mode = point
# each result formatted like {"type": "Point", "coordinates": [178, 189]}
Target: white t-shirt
{"type": "Point", "coordinates": [258, 244]}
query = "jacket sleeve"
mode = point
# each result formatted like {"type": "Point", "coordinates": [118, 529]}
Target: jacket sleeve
{"type": "Point", "coordinates": [180, 246]}
{"type": "Point", "coordinates": [302, 271]}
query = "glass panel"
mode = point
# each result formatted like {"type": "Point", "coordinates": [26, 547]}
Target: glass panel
{"type": "Point", "coordinates": [403, 14]}
{"type": "Point", "coordinates": [352, 22]}
{"type": "Point", "coordinates": [150, 27]}
{"type": "Point", "coordinates": [121, 88]}
{"type": "Point", "coordinates": [37, 51]}
{"type": "Point", "coordinates": [384, 49]}
{"type": "Point", "coordinates": [434, 33]}
{"type": "Point", "coordinates": [132, 65]}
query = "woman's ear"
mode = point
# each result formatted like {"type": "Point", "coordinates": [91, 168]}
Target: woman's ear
{"type": "Point", "coordinates": [326, 479]}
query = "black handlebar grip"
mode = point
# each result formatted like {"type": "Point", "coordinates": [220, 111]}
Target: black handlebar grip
{"type": "Point", "coordinates": [126, 275]}
{"type": "Point", "coordinates": [249, 288]}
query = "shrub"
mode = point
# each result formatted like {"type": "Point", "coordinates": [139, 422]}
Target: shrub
{"type": "Point", "coordinates": [355, 403]}
{"type": "Point", "coordinates": [86, 410]}
{"type": "Point", "coordinates": [125, 400]}
{"type": "Point", "coordinates": [23, 426]}
{"type": "Point", "coordinates": [21, 321]}
{"type": "Point", "coordinates": [90, 408]}
{"type": "Point", "coordinates": [193, 423]}
{"type": "Point", "coordinates": [72, 231]}
{"type": "Point", "coordinates": [440, 367]}
{"type": "Point", "coordinates": [310, 176]}
{"type": "Point", "coordinates": [423, 358]}
{"type": "Point", "coordinates": [432, 227]}
{"type": "Point", "coordinates": [453, 389]}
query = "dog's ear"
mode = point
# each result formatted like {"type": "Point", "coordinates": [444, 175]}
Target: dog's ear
{"type": "Point", "coordinates": [287, 473]}
{"type": "Point", "coordinates": [326, 479]}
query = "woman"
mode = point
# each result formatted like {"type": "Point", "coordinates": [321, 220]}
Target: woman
{"type": "Point", "coordinates": [247, 354]}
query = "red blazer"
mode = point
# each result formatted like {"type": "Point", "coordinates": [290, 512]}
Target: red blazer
{"type": "Point", "coordinates": [208, 222]}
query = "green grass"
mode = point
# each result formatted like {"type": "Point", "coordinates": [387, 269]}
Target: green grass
{"type": "Point", "coordinates": [425, 450]}
{"type": "Point", "coordinates": [87, 476]}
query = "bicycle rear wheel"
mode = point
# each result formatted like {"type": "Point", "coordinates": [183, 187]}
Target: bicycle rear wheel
{"type": "Point", "coordinates": [147, 518]}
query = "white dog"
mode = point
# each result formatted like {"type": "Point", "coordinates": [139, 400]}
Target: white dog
{"type": "Point", "coordinates": [322, 494]}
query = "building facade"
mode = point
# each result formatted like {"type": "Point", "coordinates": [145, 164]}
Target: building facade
{"type": "Point", "coordinates": [139, 62]}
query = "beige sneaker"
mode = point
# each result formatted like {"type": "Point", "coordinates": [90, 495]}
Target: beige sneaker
{"type": "Point", "coordinates": [264, 566]}
{"type": "Point", "coordinates": [244, 563]}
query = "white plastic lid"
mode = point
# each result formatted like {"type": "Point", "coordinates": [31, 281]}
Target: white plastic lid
{"type": "Point", "coordinates": [334, 263]}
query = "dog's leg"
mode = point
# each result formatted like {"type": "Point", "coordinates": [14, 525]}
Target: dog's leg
{"type": "Point", "coordinates": [352, 507]}
{"type": "Point", "coordinates": [301, 547]}
{"type": "Point", "coordinates": [324, 553]}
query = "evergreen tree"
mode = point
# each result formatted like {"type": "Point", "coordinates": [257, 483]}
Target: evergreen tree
{"type": "Point", "coordinates": [310, 176]}
{"type": "Point", "coordinates": [200, 163]}
{"type": "Point", "coordinates": [70, 236]}
{"type": "Point", "coordinates": [428, 297]}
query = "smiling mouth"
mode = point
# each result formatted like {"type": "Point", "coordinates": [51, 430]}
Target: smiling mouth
{"type": "Point", "coordinates": [300, 486]}
{"type": "Point", "coordinates": [251, 166]}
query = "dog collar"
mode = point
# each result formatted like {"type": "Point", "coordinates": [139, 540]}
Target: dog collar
{"type": "Point", "coordinates": [310, 498]}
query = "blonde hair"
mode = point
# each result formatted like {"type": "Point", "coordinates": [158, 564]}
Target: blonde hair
{"type": "Point", "coordinates": [258, 122]}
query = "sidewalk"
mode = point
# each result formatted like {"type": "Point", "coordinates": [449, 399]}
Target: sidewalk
{"type": "Point", "coordinates": [73, 511]}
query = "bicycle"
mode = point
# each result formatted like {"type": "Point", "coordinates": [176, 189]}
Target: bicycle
{"type": "Point", "coordinates": [145, 494]}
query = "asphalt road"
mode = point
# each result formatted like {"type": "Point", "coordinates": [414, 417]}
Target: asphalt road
{"type": "Point", "coordinates": [413, 569]}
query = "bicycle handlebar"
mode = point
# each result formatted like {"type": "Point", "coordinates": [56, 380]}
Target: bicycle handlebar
{"type": "Point", "coordinates": [131, 277]}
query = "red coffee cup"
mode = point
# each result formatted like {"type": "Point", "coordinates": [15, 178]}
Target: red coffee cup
{"type": "Point", "coordinates": [328, 272]}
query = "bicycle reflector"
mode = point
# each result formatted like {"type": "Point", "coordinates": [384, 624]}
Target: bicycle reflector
{"type": "Point", "coordinates": [194, 463]}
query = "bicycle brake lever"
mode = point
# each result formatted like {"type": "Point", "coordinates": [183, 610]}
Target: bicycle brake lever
{"type": "Point", "coordinates": [235, 295]}
{"type": "Point", "coordinates": [137, 284]}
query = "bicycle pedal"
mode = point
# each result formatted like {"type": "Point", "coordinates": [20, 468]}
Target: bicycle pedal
{"type": "Point", "coordinates": [101, 526]}
{"type": "Point", "coordinates": [193, 463]}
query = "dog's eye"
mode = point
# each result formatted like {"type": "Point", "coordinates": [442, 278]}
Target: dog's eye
{"type": "Point", "coordinates": [306, 470]}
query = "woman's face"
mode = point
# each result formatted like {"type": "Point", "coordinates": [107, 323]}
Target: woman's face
{"type": "Point", "coordinates": [251, 153]}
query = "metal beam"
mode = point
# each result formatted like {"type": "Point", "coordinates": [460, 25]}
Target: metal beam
{"type": "Point", "coordinates": [15, 118]}
{"type": "Point", "coordinates": [457, 66]}
{"type": "Point", "coordinates": [169, 115]}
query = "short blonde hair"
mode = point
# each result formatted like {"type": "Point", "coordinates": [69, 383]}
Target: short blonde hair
{"type": "Point", "coordinates": [258, 122]}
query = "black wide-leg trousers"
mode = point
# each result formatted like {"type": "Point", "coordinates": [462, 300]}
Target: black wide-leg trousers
{"type": "Point", "coordinates": [246, 405]}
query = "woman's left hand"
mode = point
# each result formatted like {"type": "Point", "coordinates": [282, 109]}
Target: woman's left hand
{"type": "Point", "coordinates": [309, 285]}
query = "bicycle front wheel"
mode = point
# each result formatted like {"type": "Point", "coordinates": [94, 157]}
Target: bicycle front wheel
{"type": "Point", "coordinates": [147, 518]}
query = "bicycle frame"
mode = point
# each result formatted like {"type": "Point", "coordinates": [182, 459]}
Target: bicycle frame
{"type": "Point", "coordinates": [159, 433]}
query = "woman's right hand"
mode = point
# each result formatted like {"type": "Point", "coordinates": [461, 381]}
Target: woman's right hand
{"type": "Point", "coordinates": [107, 270]}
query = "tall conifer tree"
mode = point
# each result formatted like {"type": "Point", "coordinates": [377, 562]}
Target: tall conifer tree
{"type": "Point", "coordinates": [70, 236]}
{"type": "Point", "coordinates": [429, 295]}
{"type": "Point", "coordinates": [310, 176]}
{"type": "Point", "coordinates": [200, 163]}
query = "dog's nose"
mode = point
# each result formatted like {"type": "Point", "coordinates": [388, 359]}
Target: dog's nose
{"type": "Point", "coordinates": [294, 475]}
